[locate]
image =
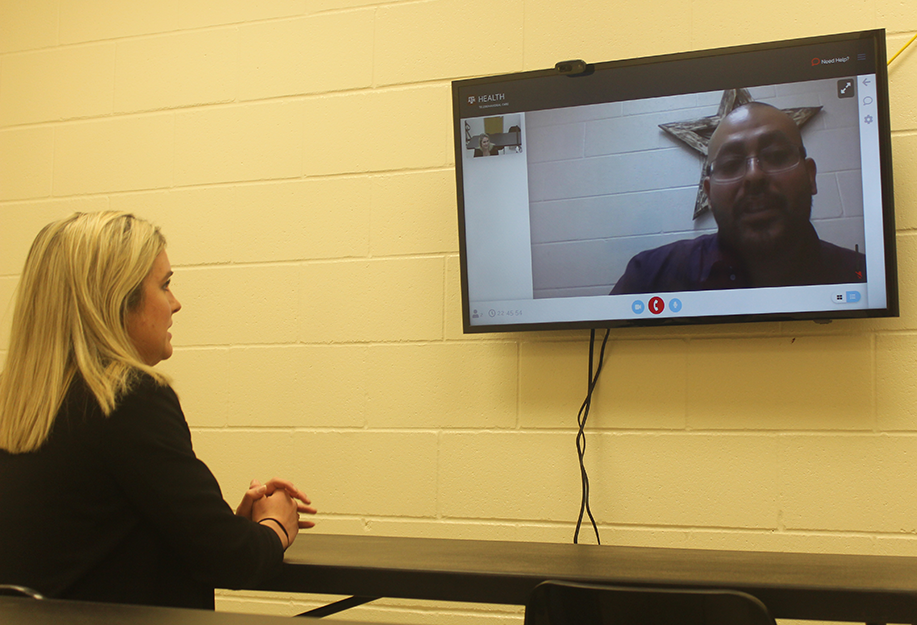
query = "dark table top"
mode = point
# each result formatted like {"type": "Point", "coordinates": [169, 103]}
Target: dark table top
{"type": "Point", "coordinates": [875, 589]}
{"type": "Point", "coordinates": [25, 611]}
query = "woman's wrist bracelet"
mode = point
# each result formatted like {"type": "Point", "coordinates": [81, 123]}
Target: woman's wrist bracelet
{"type": "Point", "coordinates": [279, 524]}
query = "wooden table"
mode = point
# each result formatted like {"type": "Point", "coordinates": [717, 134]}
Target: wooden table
{"type": "Point", "coordinates": [868, 589]}
{"type": "Point", "coordinates": [24, 611]}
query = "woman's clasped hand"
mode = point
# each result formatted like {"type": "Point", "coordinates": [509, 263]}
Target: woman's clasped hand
{"type": "Point", "coordinates": [278, 504]}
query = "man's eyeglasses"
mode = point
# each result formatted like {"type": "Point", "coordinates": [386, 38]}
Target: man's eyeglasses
{"type": "Point", "coordinates": [771, 160]}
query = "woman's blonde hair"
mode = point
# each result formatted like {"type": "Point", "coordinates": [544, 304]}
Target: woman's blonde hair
{"type": "Point", "coordinates": [80, 278]}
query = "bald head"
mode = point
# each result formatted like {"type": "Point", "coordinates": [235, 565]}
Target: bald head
{"type": "Point", "coordinates": [751, 117]}
{"type": "Point", "coordinates": [759, 181]}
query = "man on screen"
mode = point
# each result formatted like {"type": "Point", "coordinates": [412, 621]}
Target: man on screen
{"type": "Point", "coordinates": [760, 184]}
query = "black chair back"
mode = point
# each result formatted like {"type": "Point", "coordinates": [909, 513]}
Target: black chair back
{"type": "Point", "coordinates": [562, 603]}
{"type": "Point", "coordinates": [19, 591]}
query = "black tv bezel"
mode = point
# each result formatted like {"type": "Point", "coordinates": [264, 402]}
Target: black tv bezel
{"type": "Point", "coordinates": [877, 36]}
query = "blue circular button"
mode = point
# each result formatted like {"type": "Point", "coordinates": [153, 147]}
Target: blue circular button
{"type": "Point", "coordinates": [638, 307]}
{"type": "Point", "coordinates": [675, 304]}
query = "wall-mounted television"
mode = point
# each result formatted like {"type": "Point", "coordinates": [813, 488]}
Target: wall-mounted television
{"type": "Point", "coordinates": [750, 183]}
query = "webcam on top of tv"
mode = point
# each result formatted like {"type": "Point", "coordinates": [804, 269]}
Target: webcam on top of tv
{"type": "Point", "coordinates": [573, 68]}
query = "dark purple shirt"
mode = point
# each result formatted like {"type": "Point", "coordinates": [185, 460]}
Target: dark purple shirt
{"type": "Point", "coordinates": [704, 263]}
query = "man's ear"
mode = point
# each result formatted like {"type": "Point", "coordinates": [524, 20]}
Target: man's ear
{"type": "Point", "coordinates": [812, 170]}
{"type": "Point", "coordinates": [706, 183]}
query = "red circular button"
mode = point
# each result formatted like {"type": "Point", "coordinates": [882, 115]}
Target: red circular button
{"type": "Point", "coordinates": [657, 305]}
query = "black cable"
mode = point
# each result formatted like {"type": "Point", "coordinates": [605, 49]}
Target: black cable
{"type": "Point", "coordinates": [581, 435]}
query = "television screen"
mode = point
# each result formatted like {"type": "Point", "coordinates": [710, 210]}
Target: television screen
{"type": "Point", "coordinates": [750, 183]}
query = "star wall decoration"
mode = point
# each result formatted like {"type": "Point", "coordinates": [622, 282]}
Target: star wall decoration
{"type": "Point", "coordinates": [696, 133]}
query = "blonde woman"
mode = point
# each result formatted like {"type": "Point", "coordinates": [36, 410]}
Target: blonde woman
{"type": "Point", "coordinates": [486, 147]}
{"type": "Point", "coordinates": [102, 495]}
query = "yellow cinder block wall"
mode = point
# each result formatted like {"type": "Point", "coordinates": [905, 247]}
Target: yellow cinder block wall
{"type": "Point", "coordinates": [298, 156]}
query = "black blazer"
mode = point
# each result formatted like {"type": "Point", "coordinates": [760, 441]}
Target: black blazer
{"type": "Point", "coordinates": [120, 509]}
